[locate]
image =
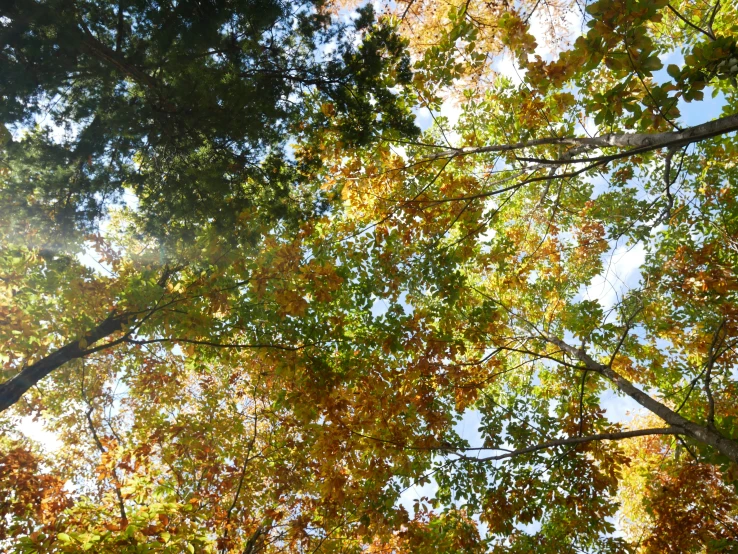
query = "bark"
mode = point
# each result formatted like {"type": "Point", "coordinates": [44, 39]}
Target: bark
{"type": "Point", "coordinates": [637, 142]}
{"type": "Point", "coordinates": [13, 389]}
{"type": "Point", "coordinates": [704, 434]}
{"type": "Point", "coordinates": [253, 544]}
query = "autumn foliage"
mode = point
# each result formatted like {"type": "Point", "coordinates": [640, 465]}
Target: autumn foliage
{"type": "Point", "coordinates": [262, 262]}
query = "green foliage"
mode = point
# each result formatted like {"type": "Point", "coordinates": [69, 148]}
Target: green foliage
{"type": "Point", "coordinates": [187, 106]}
{"type": "Point", "coordinates": [302, 297]}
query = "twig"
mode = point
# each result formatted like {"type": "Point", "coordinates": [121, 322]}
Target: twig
{"type": "Point", "coordinates": [578, 440]}
{"type": "Point", "coordinates": [695, 27]}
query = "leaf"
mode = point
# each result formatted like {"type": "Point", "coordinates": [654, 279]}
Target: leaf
{"type": "Point", "coordinates": [5, 135]}
{"type": "Point", "coordinates": [652, 63]}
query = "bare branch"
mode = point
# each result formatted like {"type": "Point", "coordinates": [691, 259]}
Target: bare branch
{"type": "Point", "coordinates": [407, 9]}
{"type": "Point", "coordinates": [712, 358]}
{"type": "Point", "coordinates": [667, 184]}
{"type": "Point", "coordinates": [712, 17]}
{"type": "Point", "coordinates": [638, 143]}
{"type": "Point", "coordinates": [252, 544]}
{"type": "Point", "coordinates": [577, 440]}
{"type": "Point", "coordinates": [581, 402]}
{"type": "Point", "coordinates": [101, 448]}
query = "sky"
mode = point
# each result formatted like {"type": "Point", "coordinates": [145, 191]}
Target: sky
{"type": "Point", "coordinates": [621, 273]}
{"type": "Point", "coordinates": [622, 270]}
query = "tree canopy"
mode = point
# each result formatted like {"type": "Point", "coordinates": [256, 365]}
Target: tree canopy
{"type": "Point", "coordinates": [261, 260]}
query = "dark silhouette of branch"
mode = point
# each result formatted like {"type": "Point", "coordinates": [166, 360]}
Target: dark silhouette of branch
{"type": "Point", "coordinates": [101, 448]}
{"type": "Point", "coordinates": [14, 388]}
{"type": "Point", "coordinates": [216, 344]}
{"type": "Point", "coordinates": [708, 34]}
{"type": "Point", "coordinates": [576, 440]}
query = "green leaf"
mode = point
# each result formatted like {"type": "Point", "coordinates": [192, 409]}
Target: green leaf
{"type": "Point", "coordinates": [652, 63]}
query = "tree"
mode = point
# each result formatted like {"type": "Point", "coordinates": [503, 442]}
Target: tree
{"type": "Point", "coordinates": [187, 105]}
{"type": "Point", "coordinates": [497, 235]}
{"type": "Point", "coordinates": [276, 388]}
{"type": "Point", "coordinates": [119, 80]}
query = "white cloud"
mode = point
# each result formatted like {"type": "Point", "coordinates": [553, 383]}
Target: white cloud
{"type": "Point", "coordinates": [622, 272]}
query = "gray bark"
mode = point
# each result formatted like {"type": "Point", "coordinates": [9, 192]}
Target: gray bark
{"type": "Point", "coordinates": [637, 142]}
{"type": "Point", "coordinates": [704, 434]}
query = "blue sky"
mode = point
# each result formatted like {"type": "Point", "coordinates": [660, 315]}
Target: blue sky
{"type": "Point", "coordinates": [622, 273]}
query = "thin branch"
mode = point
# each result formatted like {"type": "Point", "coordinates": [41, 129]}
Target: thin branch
{"type": "Point", "coordinates": [716, 344]}
{"type": "Point", "coordinates": [689, 23]}
{"type": "Point", "coordinates": [216, 344]}
{"type": "Point", "coordinates": [578, 440]}
{"type": "Point", "coordinates": [621, 341]}
{"type": "Point", "coordinates": [645, 86]}
{"type": "Point", "coordinates": [407, 9]}
{"type": "Point", "coordinates": [101, 448]}
{"type": "Point", "coordinates": [119, 29]}
{"type": "Point", "coordinates": [581, 402]}
{"type": "Point", "coordinates": [251, 544]}
{"type": "Point", "coordinates": [456, 152]}
{"type": "Point", "coordinates": [247, 460]}
{"type": "Point", "coordinates": [712, 17]}
{"type": "Point", "coordinates": [687, 448]}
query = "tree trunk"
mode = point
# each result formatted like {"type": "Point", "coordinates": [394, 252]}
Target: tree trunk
{"type": "Point", "coordinates": [12, 389]}
{"type": "Point", "coordinates": [703, 434]}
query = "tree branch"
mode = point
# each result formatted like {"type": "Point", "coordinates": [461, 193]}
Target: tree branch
{"type": "Point", "coordinates": [101, 448]}
{"type": "Point", "coordinates": [667, 184]}
{"type": "Point", "coordinates": [637, 142]}
{"type": "Point", "coordinates": [12, 389]}
{"type": "Point", "coordinates": [703, 434]}
{"type": "Point", "coordinates": [251, 544]}
{"type": "Point", "coordinates": [578, 440]}
{"type": "Point", "coordinates": [119, 28]}
{"type": "Point", "coordinates": [215, 344]}
{"type": "Point", "coordinates": [114, 59]}
{"type": "Point", "coordinates": [688, 22]}
{"type": "Point", "coordinates": [712, 357]}
{"type": "Point", "coordinates": [581, 402]}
